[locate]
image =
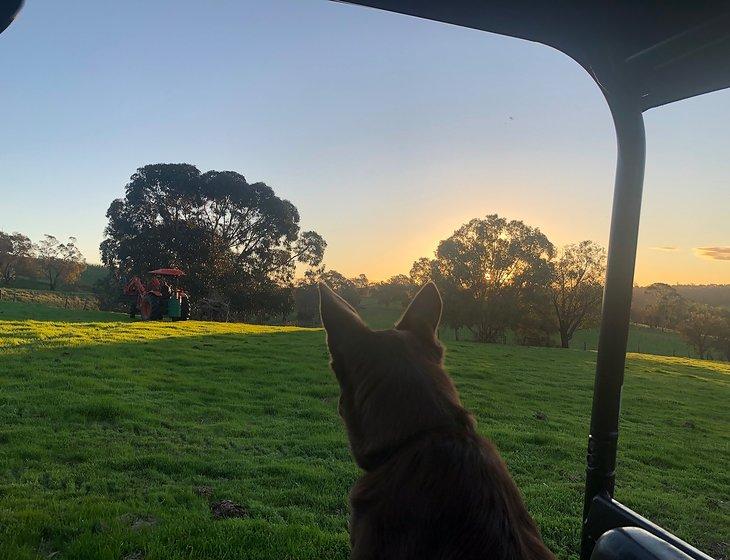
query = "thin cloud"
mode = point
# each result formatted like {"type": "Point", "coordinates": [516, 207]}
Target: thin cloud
{"type": "Point", "coordinates": [714, 253]}
{"type": "Point", "coordinates": [665, 248]}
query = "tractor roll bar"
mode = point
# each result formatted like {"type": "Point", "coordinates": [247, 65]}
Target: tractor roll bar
{"type": "Point", "coordinates": [600, 511]}
{"type": "Point", "coordinates": [614, 331]}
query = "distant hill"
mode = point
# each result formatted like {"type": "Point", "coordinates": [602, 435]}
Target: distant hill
{"type": "Point", "coordinates": [710, 294]}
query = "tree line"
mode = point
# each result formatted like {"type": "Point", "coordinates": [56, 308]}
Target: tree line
{"type": "Point", "coordinates": [50, 260]}
{"type": "Point", "coordinates": [495, 276]}
{"type": "Point", "coordinates": [500, 276]}
{"type": "Point", "coordinates": [705, 327]}
{"type": "Point", "coordinates": [241, 243]}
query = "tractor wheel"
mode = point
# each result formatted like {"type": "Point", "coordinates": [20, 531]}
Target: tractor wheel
{"type": "Point", "coordinates": [184, 307]}
{"type": "Point", "coordinates": [151, 309]}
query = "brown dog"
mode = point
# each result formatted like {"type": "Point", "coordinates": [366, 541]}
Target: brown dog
{"type": "Point", "coordinates": [433, 488]}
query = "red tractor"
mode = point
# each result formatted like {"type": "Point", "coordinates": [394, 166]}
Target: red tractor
{"type": "Point", "coordinates": [162, 297]}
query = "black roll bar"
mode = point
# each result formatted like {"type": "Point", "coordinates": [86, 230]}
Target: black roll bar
{"type": "Point", "coordinates": [601, 512]}
{"type": "Point", "coordinates": [614, 330]}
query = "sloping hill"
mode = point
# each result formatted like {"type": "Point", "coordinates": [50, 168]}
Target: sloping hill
{"type": "Point", "coordinates": [118, 439]}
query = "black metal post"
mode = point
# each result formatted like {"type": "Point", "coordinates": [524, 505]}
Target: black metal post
{"type": "Point", "coordinates": [601, 459]}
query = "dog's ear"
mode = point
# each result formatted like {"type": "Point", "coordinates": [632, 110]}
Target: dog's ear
{"type": "Point", "coordinates": [339, 319]}
{"type": "Point", "coordinates": [423, 314]}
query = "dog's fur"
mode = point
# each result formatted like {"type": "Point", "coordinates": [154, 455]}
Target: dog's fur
{"type": "Point", "coordinates": [433, 488]}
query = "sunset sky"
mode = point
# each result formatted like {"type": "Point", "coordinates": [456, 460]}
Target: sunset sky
{"type": "Point", "coordinates": [387, 132]}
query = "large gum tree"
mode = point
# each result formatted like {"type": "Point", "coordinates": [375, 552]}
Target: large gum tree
{"type": "Point", "coordinates": [235, 239]}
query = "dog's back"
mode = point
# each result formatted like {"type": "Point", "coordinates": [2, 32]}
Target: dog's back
{"type": "Point", "coordinates": [445, 495]}
{"type": "Point", "coordinates": [432, 487]}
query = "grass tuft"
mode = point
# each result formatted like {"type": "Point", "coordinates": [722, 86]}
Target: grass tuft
{"type": "Point", "coordinates": [100, 411]}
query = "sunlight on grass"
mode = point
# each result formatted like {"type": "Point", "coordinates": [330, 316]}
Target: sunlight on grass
{"type": "Point", "coordinates": [117, 437]}
{"type": "Point", "coordinates": [56, 332]}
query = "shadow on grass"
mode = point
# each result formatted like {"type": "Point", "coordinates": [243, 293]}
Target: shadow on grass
{"type": "Point", "coordinates": [95, 437]}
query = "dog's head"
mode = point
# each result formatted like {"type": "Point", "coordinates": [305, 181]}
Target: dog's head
{"type": "Point", "coordinates": [392, 384]}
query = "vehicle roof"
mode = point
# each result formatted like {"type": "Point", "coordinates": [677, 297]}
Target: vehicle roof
{"type": "Point", "coordinates": [664, 50]}
{"type": "Point", "coordinates": [8, 11]}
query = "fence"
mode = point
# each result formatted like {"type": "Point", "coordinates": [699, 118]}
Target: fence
{"type": "Point", "coordinates": [65, 300]}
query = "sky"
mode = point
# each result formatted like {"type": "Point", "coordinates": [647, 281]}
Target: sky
{"type": "Point", "coordinates": [387, 132]}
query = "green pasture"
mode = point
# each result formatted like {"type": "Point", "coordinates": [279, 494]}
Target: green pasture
{"type": "Point", "coordinates": [119, 439]}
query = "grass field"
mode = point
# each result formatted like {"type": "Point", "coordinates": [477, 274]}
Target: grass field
{"type": "Point", "coordinates": [116, 438]}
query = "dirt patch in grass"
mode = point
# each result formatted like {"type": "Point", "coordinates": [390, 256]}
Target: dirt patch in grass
{"type": "Point", "coordinates": [204, 492]}
{"type": "Point", "coordinates": [226, 509]}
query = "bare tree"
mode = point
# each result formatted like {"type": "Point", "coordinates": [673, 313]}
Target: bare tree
{"type": "Point", "coordinates": [362, 284]}
{"type": "Point", "coordinates": [577, 287]}
{"type": "Point", "coordinates": [16, 256]}
{"type": "Point", "coordinates": [722, 333]}
{"type": "Point", "coordinates": [667, 308]}
{"type": "Point", "coordinates": [422, 271]}
{"type": "Point", "coordinates": [700, 328]}
{"type": "Point", "coordinates": [60, 262]}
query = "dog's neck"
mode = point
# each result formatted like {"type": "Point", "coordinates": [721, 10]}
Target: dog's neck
{"type": "Point", "coordinates": [463, 426]}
